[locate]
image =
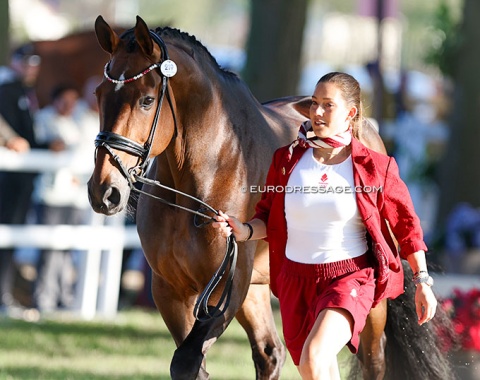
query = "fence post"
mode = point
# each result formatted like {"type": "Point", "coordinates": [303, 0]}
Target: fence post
{"type": "Point", "coordinates": [111, 268]}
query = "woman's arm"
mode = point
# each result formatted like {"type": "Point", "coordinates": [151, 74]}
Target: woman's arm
{"type": "Point", "coordinates": [406, 227]}
{"type": "Point", "coordinates": [425, 301]}
{"type": "Point", "coordinates": [241, 231]}
{"type": "Point", "coordinates": [417, 262]}
{"type": "Point", "coordinates": [399, 211]}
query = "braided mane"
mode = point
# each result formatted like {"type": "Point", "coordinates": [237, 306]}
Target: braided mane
{"type": "Point", "coordinates": [189, 42]}
{"type": "Point", "coordinates": [192, 42]}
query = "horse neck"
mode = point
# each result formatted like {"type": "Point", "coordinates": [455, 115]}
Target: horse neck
{"type": "Point", "coordinates": [198, 151]}
{"type": "Point", "coordinates": [206, 147]}
{"type": "Point", "coordinates": [212, 125]}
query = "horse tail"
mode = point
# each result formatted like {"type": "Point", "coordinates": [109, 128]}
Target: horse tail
{"type": "Point", "coordinates": [413, 351]}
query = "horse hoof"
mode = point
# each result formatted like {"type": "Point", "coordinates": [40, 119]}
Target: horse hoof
{"type": "Point", "coordinates": [182, 375]}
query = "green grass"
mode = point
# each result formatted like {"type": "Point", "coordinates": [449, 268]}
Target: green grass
{"type": "Point", "coordinates": [136, 345]}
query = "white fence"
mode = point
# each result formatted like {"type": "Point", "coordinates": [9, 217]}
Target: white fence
{"type": "Point", "coordinates": [99, 271]}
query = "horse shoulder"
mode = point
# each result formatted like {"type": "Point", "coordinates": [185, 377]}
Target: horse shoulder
{"type": "Point", "coordinates": [370, 137]}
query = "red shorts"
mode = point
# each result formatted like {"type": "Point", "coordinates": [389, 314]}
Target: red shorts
{"type": "Point", "coordinates": [304, 290]}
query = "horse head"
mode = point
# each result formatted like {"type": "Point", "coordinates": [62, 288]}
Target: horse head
{"type": "Point", "coordinates": [135, 121]}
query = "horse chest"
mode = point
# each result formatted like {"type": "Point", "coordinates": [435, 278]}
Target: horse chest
{"type": "Point", "coordinates": [174, 243]}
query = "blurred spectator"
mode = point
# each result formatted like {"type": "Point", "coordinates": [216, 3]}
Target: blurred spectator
{"type": "Point", "coordinates": [89, 99]}
{"type": "Point", "coordinates": [10, 139]}
{"type": "Point", "coordinates": [86, 113]}
{"type": "Point", "coordinates": [462, 240]}
{"type": "Point", "coordinates": [60, 198]}
{"type": "Point", "coordinates": [17, 103]}
{"type": "Point", "coordinates": [419, 136]}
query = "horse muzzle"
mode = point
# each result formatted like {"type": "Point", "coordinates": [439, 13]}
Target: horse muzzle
{"type": "Point", "coordinates": [107, 199]}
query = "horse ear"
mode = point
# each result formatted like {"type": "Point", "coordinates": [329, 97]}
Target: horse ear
{"type": "Point", "coordinates": [142, 35]}
{"type": "Point", "coordinates": [106, 37]}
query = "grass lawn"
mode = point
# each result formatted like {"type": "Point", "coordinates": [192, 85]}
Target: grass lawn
{"type": "Point", "coordinates": [136, 345]}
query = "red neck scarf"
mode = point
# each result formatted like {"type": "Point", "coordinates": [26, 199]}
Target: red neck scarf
{"type": "Point", "coordinates": [337, 141]}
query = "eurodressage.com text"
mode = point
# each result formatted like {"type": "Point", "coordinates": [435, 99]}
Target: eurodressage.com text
{"type": "Point", "coordinates": [324, 189]}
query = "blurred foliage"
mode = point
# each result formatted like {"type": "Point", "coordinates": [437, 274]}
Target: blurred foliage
{"type": "Point", "coordinates": [190, 15]}
{"type": "Point", "coordinates": [447, 39]}
{"type": "Point", "coordinates": [420, 33]}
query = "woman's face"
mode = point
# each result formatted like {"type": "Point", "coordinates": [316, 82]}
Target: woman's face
{"type": "Point", "coordinates": [329, 112]}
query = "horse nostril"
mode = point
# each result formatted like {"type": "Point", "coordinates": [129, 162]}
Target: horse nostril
{"type": "Point", "coordinates": [112, 197]}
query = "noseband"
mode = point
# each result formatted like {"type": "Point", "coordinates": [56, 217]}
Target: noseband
{"type": "Point", "coordinates": [110, 140]}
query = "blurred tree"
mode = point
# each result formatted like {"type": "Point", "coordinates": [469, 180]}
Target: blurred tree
{"type": "Point", "coordinates": [443, 50]}
{"type": "Point", "coordinates": [4, 31]}
{"type": "Point", "coordinates": [274, 47]}
{"type": "Point", "coordinates": [420, 31]}
{"type": "Point", "coordinates": [460, 175]}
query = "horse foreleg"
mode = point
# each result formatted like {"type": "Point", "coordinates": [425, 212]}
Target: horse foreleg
{"type": "Point", "coordinates": [188, 361]}
{"type": "Point", "coordinates": [256, 318]}
{"type": "Point", "coordinates": [371, 352]}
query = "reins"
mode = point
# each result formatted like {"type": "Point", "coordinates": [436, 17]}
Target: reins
{"type": "Point", "coordinates": [110, 140]}
{"type": "Point", "coordinates": [229, 259]}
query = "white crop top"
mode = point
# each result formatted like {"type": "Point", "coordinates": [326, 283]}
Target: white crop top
{"type": "Point", "coordinates": [323, 223]}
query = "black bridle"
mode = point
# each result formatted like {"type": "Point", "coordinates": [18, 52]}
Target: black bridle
{"type": "Point", "coordinates": [114, 140]}
{"type": "Point", "coordinates": [110, 140]}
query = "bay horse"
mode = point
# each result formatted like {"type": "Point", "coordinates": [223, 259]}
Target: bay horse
{"type": "Point", "coordinates": [168, 109]}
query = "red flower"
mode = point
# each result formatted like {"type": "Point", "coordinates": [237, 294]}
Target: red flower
{"type": "Point", "coordinates": [464, 309]}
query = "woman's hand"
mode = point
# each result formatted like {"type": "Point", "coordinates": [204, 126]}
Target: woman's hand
{"type": "Point", "coordinates": [425, 302]}
{"type": "Point", "coordinates": [230, 224]}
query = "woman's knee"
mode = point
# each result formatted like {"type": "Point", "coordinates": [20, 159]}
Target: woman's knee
{"type": "Point", "coordinates": [330, 333]}
{"type": "Point", "coordinates": [314, 367]}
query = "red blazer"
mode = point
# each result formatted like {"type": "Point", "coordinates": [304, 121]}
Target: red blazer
{"type": "Point", "coordinates": [391, 205]}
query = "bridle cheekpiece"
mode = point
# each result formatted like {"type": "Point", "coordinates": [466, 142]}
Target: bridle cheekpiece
{"type": "Point", "coordinates": [109, 140]}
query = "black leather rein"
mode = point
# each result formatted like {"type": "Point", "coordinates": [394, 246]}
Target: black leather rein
{"type": "Point", "coordinates": [110, 140]}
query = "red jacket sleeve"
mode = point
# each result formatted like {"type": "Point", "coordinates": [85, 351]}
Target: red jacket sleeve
{"type": "Point", "coordinates": [399, 211]}
{"type": "Point", "coordinates": [263, 207]}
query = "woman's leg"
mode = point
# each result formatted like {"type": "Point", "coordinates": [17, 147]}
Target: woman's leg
{"type": "Point", "coordinates": [330, 333]}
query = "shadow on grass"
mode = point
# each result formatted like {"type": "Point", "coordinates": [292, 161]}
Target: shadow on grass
{"type": "Point", "coordinates": [84, 329]}
{"type": "Point", "coordinates": [62, 374]}
{"type": "Point", "coordinates": [94, 330]}
{"type": "Point", "coordinates": [68, 339]}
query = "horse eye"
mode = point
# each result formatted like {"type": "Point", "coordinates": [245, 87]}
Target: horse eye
{"type": "Point", "coordinates": [146, 101]}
